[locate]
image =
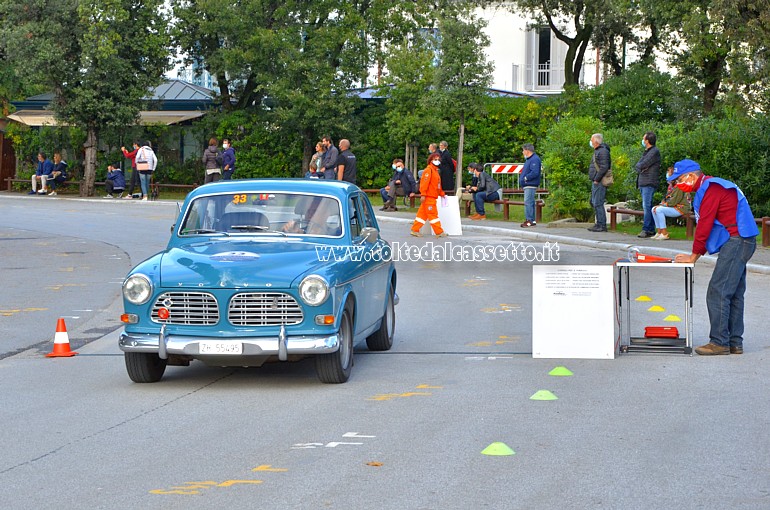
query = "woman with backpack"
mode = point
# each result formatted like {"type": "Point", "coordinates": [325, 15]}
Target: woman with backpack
{"type": "Point", "coordinates": [146, 162]}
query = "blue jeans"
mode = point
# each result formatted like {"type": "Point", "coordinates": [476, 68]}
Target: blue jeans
{"type": "Point", "coordinates": [647, 193]}
{"type": "Point", "coordinates": [724, 297]}
{"type": "Point", "coordinates": [661, 212]}
{"type": "Point", "coordinates": [144, 182]}
{"type": "Point", "coordinates": [227, 175]}
{"type": "Point", "coordinates": [598, 195]}
{"type": "Point", "coordinates": [482, 196]}
{"type": "Point", "coordinates": [529, 203]}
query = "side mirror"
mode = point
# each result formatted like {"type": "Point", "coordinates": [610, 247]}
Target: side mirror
{"type": "Point", "coordinates": [368, 235]}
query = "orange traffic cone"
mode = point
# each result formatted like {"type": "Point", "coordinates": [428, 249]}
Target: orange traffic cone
{"type": "Point", "coordinates": [61, 342]}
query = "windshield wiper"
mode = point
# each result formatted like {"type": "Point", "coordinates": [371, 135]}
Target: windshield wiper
{"type": "Point", "coordinates": [260, 228]}
{"type": "Point", "coordinates": [204, 231]}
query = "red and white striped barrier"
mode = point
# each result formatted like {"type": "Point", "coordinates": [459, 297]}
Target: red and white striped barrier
{"type": "Point", "coordinates": [507, 168]}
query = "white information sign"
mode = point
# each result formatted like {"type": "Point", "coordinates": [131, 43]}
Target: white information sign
{"type": "Point", "coordinates": [573, 312]}
{"type": "Point", "coordinates": [449, 214]}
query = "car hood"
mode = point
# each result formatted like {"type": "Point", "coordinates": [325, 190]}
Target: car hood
{"type": "Point", "coordinates": [233, 264]}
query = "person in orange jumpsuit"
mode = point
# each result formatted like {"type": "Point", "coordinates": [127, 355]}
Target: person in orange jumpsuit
{"type": "Point", "coordinates": [430, 190]}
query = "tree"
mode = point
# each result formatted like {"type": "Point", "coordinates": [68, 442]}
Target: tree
{"type": "Point", "coordinates": [92, 56]}
{"type": "Point", "coordinates": [462, 77]}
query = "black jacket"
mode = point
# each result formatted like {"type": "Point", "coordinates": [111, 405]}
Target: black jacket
{"type": "Point", "coordinates": [601, 163]}
{"type": "Point", "coordinates": [487, 183]}
{"type": "Point", "coordinates": [648, 168]}
{"type": "Point", "coordinates": [447, 171]}
{"type": "Point", "coordinates": [407, 181]}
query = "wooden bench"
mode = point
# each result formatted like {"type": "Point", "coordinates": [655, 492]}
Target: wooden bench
{"type": "Point", "coordinates": [539, 204]}
{"type": "Point", "coordinates": [762, 223]}
{"type": "Point", "coordinates": [80, 183]}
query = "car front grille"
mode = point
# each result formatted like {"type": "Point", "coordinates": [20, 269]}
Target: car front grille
{"type": "Point", "coordinates": [264, 309]}
{"type": "Point", "coordinates": [189, 308]}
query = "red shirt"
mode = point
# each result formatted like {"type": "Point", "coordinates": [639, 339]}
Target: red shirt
{"type": "Point", "coordinates": [132, 156]}
{"type": "Point", "coordinates": [718, 204]}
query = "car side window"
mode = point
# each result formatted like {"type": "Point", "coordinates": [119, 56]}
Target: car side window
{"type": "Point", "coordinates": [367, 213]}
{"type": "Point", "coordinates": [354, 217]}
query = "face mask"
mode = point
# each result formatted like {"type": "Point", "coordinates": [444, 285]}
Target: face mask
{"type": "Point", "coordinates": [399, 169]}
{"type": "Point", "coordinates": [436, 162]}
{"type": "Point", "coordinates": [644, 146]}
{"type": "Point", "coordinates": [225, 145]}
{"type": "Point", "coordinates": [470, 172]}
{"type": "Point", "coordinates": [590, 144]}
{"type": "Point", "coordinates": [393, 167]}
{"type": "Point", "coordinates": [686, 187]}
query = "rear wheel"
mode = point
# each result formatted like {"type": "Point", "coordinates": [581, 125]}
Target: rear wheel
{"type": "Point", "coordinates": [334, 368]}
{"type": "Point", "coordinates": [382, 339]}
{"type": "Point", "coordinates": [144, 367]}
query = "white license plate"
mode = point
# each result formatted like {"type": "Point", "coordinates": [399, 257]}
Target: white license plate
{"type": "Point", "coordinates": [210, 347]}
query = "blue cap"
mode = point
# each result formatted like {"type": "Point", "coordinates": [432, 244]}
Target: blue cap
{"type": "Point", "coordinates": [683, 167]}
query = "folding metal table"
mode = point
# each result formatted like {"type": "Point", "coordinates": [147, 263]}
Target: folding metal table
{"type": "Point", "coordinates": [629, 343]}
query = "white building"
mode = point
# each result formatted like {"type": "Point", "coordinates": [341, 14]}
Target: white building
{"type": "Point", "coordinates": [529, 58]}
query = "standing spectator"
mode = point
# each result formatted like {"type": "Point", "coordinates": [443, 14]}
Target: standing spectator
{"type": "Point", "coordinates": [432, 148]}
{"type": "Point", "coordinates": [212, 161]}
{"type": "Point", "coordinates": [146, 163]}
{"type": "Point", "coordinates": [486, 190]}
{"type": "Point", "coordinates": [601, 165]}
{"type": "Point", "coordinates": [328, 166]}
{"type": "Point", "coordinates": [447, 168]}
{"type": "Point", "coordinates": [59, 173]}
{"type": "Point", "coordinates": [401, 184]}
{"type": "Point", "coordinates": [676, 204]}
{"type": "Point", "coordinates": [529, 180]}
{"type": "Point", "coordinates": [42, 173]}
{"type": "Point", "coordinates": [430, 190]}
{"type": "Point", "coordinates": [346, 163]}
{"type": "Point", "coordinates": [647, 170]}
{"type": "Point", "coordinates": [134, 181]}
{"type": "Point", "coordinates": [115, 181]}
{"type": "Point", "coordinates": [726, 226]}
{"type": "Point", "coordinates": [228, 160]}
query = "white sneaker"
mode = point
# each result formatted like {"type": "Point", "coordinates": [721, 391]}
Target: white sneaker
{"type": "Point", "coordinates": [108, 196]}
{"type": "Point", "coordinates": [662, 237]}
{"type": "Point", "coordinates": [52, 194]}
{"type": "Point", "coordinates": [42, 192]}
{"type": "Point", "coordinates": [144, 199]}
{"type": "Point", "coordinates": [656, 236]}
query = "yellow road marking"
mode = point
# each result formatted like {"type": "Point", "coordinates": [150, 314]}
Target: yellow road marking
{"type": "Point", "coordinates": [230, 483]}
{"type": "Point", "coordinates": [269, 468]}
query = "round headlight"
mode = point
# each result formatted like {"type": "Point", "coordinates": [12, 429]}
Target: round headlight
{"type": "Point", "coordinates": [137, 289]}
{"type": "Point", "coordinates": [313, 290]}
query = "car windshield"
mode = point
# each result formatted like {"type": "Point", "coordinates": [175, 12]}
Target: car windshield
{"type": "Point", "coordinates": [273, 213]}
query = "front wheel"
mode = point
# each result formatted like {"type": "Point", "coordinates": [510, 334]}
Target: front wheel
{"type": "Point", "coordinates": [334, 368]}
{"type": "Point", "coordinates": [143, 367]}
{"type": "Point", "coordinates": [382, 339]}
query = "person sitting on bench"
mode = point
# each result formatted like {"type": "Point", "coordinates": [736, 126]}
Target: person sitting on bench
{"type": "Point", "coordinates": [59, 173]}
{"type": "Point", "coordinates": [115, 182]}
{"type": "Point", "coordinates": [486, 190]}
{"type": "Point", "coordinates": [41, 175]}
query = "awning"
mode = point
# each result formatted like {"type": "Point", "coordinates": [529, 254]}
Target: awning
{"type": "Point", "coordinates": [47, 118]}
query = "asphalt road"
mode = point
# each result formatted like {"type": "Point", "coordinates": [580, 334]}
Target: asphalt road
{"type": "Point", "coordinates": [408, 429]}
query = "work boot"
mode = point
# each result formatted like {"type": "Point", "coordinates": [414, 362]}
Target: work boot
{"type": "Point", "coordinates": [712, 349]}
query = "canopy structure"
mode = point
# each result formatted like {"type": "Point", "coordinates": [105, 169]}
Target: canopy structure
{"type": "Point", "coordinates": [46, 117]}
{"type": "Point", "coordinates": [172, 102]}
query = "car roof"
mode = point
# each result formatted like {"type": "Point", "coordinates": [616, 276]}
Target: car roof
{"type": "Point", "coordinates": [339, 189]}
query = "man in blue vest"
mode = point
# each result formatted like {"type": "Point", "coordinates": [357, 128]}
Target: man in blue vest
{"type": "Point", "coordinates": [726, 226]}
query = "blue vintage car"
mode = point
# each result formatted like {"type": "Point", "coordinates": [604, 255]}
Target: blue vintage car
{"type": "Point", "coordinates": [261, 269]}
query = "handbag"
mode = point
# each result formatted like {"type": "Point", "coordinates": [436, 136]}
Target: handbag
{"type": "Point", "coordinates": [607, 180]}
{"type": "Point", "coordinates": [142, 165]}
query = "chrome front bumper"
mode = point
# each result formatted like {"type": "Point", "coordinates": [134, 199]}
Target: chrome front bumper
{"type": "Point", "coordinates": [280, 346]}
